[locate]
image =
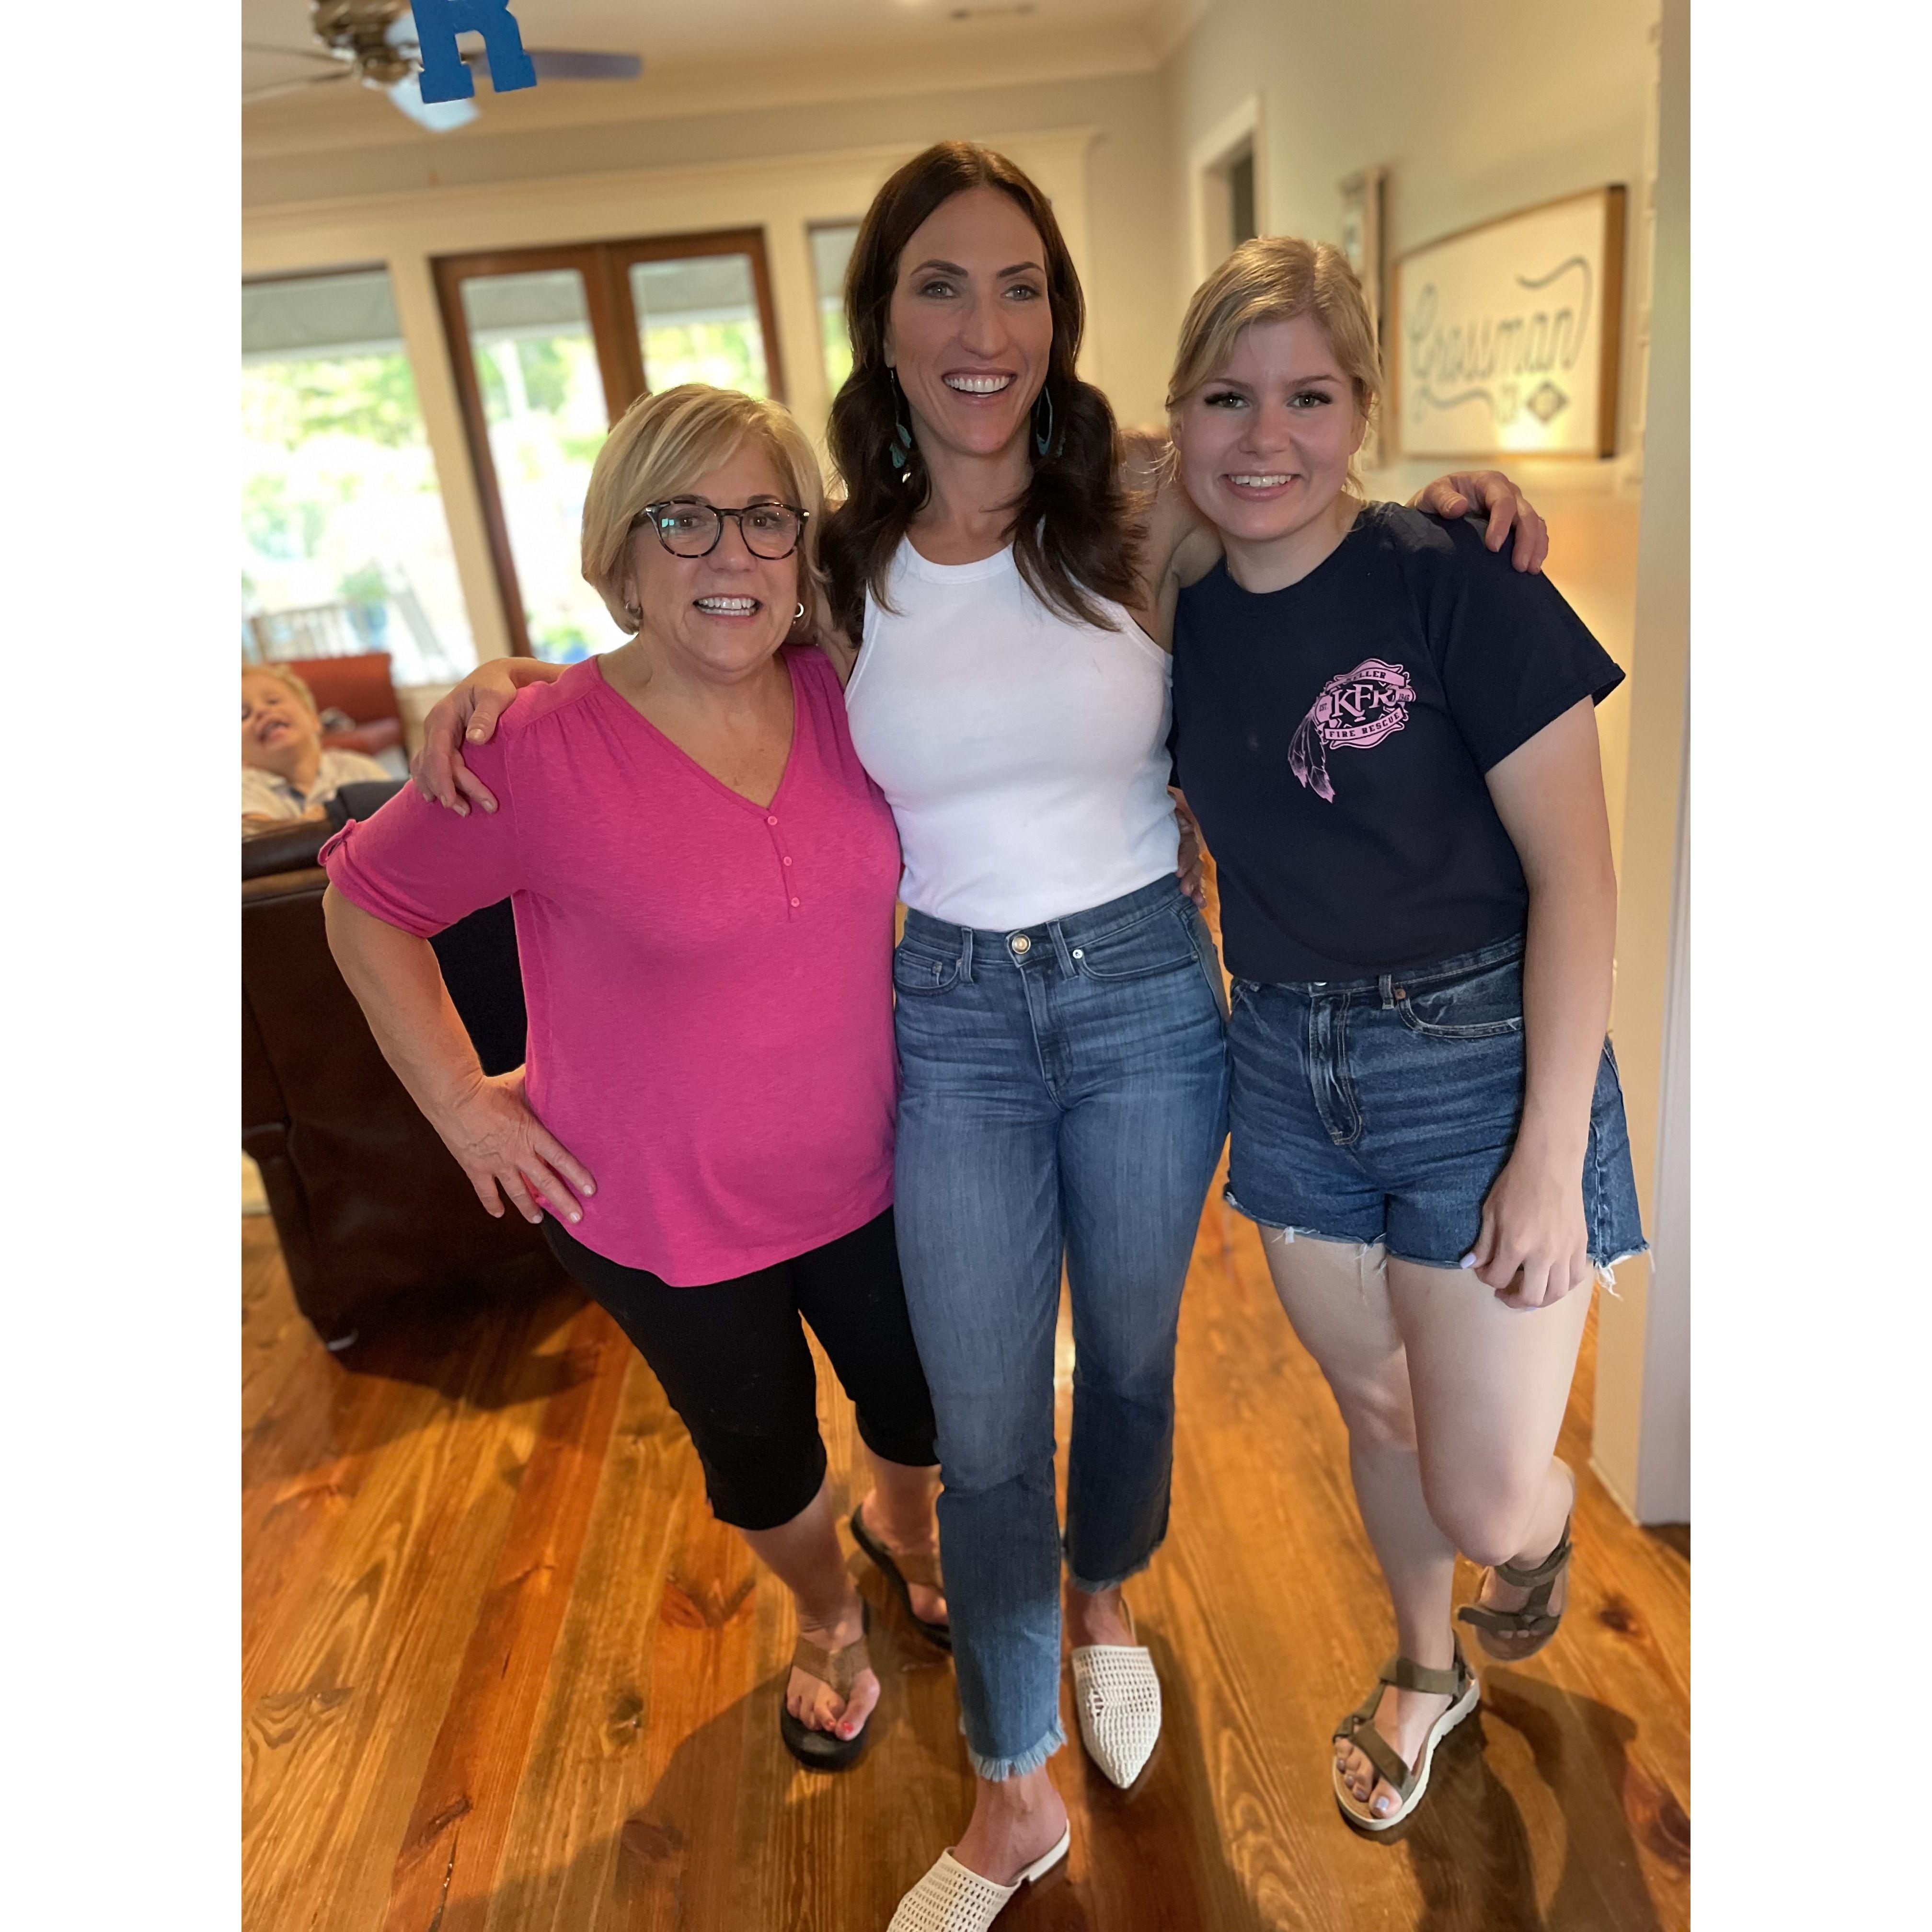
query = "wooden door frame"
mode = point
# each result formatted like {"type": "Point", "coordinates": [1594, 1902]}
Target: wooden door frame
{"type": "Point", "coordinates": [604, 267]}
{"type": "Point", "coordinates": [679, 248]}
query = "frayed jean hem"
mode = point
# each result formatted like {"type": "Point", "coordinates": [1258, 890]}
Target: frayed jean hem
{"type": "Point", "coordinates": [1081, 1584]}
{"type": "Point", "coordinates": [998, 1770]}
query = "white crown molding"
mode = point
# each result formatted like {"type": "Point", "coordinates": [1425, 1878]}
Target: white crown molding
{"type": "Point", "coordinates": [361, 118]}
{"type": "Point", "coordinates": [264, 228]}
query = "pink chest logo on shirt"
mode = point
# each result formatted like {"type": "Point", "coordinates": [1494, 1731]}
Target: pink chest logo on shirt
{"type": "Point", "coordinates": [1355, 712]}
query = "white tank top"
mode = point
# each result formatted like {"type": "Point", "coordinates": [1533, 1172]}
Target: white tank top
{"type": "Point", "coordinates": [1024, 753]}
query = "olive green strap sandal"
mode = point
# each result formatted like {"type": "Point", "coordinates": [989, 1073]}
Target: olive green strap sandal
{"type": "Point", "coordinates": [826, 1750]}
{"type": "Point", "coordinates": [1458, 1684]}
{"type": "Point", "coordinates": [1533, 1619]}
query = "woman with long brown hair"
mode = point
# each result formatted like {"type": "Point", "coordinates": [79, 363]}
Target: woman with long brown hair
{"type": "Point", "coordinates": [1059, 1010]}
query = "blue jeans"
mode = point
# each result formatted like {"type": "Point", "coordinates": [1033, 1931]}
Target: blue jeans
{"type": "Point", "coordinates": [1065, 1091]}
{"type": "Point", "coordinates": [1383, 1109]}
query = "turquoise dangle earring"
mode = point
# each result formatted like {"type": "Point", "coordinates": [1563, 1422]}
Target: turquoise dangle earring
{"type": "Point", "coordinates": [902, 451]}
{"type": "Point", "coordinates": [1042, 438]}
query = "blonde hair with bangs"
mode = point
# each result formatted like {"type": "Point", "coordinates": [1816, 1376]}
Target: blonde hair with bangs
{"type": "Point", "coordinates": [1276, 278]}
{"type": "Point", "coordinates": [660, 448]}
{"type": "Point", "coordinates": [297, 687]}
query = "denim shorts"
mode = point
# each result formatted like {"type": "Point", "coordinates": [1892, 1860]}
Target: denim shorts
{"type": "Point", "coordinates": [1383, 1109]}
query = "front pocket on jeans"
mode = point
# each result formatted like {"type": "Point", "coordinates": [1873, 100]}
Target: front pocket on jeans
{"type": "Point", "coordinates": [1161, 943]}
{"type": "Point", "coordinates": [916, 972]}
{"type": "Point", "coordinates": [1485, 1004]}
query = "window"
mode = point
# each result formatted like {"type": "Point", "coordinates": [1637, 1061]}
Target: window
{"type": "Point", "coordinates": [545, 415]}
{"type": "Point", "coordinates": [550, 346]}
{"type": "Point", "coordinates": [697, 322]}
{"type": "Point", "coordinates": [344, 546]}
{"type": "Point", "coordinates": [831, 255]}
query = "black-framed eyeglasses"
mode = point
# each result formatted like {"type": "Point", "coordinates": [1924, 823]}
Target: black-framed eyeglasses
{"type": "Point", "coordinates": [770, 530]}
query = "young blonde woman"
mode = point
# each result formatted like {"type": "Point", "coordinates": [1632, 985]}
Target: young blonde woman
{"type": "Point", "coordinates": [1388, 738]}
{"type": "Point", "coordinates": [1058, 1013]}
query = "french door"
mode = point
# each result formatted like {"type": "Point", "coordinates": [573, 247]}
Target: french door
{"type": "Point", "coordinates": [550, 346]}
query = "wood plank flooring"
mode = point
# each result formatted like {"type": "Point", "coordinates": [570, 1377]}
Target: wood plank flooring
{"type": "Point", "coordinates": [502, 1672]}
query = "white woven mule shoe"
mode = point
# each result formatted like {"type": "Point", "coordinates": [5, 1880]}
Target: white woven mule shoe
{"type": "Point", "coordinates": [951, 1898]}
{"type": "Point", "coordinates": [1117, 1697]}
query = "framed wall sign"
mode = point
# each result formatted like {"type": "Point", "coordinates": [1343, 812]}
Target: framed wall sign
{"type": "Point", "coordinates": [1506, 336]}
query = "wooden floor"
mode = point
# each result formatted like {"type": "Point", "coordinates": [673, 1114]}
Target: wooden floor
{"type": "Point", "coordinates": [502, 1670]}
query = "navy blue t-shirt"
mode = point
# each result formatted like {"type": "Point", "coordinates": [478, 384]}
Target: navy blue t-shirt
{"type": "Point", "coordinates": [1331, 738]}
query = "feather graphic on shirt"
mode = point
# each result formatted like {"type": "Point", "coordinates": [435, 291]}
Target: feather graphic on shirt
{"type": "Point", "coordinates": [1307, 759]}
{"type": "Point", "coordinates": [1355, 713]}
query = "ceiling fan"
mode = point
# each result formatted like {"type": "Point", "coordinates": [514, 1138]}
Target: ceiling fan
{"type": "Point", "coordinates": [374, 41]}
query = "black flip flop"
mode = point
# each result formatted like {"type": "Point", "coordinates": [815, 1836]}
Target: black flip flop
{"type": "Point", "coordinates": [887, 1565]}
{"type": "Point", "coordinates": [823, 1751]}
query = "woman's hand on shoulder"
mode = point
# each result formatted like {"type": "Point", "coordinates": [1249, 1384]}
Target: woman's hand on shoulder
{"type": "Point", "coordinates": [1499, 499]}
{"type": "Point", "coordinates": [499, 1142]}
{"type": "Point", "coordinates": [468, 715]}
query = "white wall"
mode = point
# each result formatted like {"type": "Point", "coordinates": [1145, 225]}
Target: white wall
{"type": "Point", "coordinates": [1642, 1445]}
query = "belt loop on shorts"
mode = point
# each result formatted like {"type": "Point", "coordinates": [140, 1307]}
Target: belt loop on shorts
{"type": "Point", "coordinates": [1062, 951]}
{"type": "Point", "coordinates": [966, 954]}
{"type": "Point", "coordinates": [1387, 985]}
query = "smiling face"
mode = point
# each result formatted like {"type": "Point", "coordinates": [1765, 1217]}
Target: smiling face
{"type": "Point", "coordinates": [970, 329]}
{"type": "Point", "coordinates": [277, 728]}
{"type": "Point", "coordinates": [1264, 444]}
{"type": "Point", "coordinates": [722, 616]}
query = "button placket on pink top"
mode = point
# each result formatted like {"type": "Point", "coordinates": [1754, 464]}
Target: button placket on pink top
{"type": "Point", "coordinates": [785, 883]}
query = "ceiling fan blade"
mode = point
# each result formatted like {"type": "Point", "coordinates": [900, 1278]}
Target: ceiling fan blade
{"type": "Point", "coordinates": [297, 86]}
{"type": "Point", "coordinates": [438, 116]}
{"type": "Point", "coordinates": [571, 64]}
{"type": "Point", "coordinates": [295, 53]}
{"type": "Point", "coordinates": [567, 63]}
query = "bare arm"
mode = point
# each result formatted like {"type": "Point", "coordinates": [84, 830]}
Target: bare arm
{"type": "Point", "coordinates": [1549, 795]}
{"type": "Point", "coordinates": [486, 1123]}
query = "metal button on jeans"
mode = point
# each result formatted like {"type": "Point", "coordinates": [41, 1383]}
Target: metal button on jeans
{"type": "Point", "coordinates": [1021, 943]}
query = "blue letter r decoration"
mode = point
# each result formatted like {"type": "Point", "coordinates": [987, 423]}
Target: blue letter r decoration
{"type": "Point", "coordinates": [444, 76]}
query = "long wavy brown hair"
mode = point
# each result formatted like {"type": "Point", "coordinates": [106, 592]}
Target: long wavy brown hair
{"type": "Point", "coordinates": [1071, 533]}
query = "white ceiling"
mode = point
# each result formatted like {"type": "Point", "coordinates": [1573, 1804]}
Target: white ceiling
{"type": "Point", "coordinates": [684, 32]}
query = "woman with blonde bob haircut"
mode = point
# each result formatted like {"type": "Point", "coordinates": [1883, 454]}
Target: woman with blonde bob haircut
{"type": "Point", "coordinates": [710, 1017]}
{"type": "Point", "coordinates": [1388, 737]}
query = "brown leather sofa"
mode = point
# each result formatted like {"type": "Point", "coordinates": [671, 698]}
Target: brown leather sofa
{"type": "Point", "coordinates": [360, 687]}
{"type": "Point", "coordinates": [375, 1220]}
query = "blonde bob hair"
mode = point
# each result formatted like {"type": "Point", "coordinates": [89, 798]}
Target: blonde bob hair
{"type": "Point", "coordinates": [660, 448]}
{"type": "Point", "coordinates": [297, 687]}
{"type": "Point", "coordinates": [1276, 278]}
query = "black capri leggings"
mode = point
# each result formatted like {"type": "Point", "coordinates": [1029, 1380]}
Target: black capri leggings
{"type": "Point", "coordinates": [733, 1361]}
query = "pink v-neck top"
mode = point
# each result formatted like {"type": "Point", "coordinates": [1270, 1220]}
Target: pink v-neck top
{"type": "Point", "coordinates": [709, 980]}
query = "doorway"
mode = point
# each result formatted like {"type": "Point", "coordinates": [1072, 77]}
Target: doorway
{"type": "Point", "coordinates": [550, 346]}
